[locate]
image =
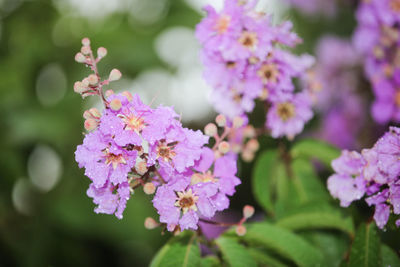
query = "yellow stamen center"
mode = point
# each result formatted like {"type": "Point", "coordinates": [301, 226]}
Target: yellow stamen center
{"type": "Point", "coordinates": [186, 201]}
{"type": "Point", "coordinates": [268, 73]}
{"type": "Point", "coordinates": [286, 110]}
{"type": "Point", "coordinates": [248, 39]}
{"type": "Point", "coordinates": [222, 24]}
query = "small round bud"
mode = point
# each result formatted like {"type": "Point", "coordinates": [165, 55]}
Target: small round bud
{"type": "Point", "coordinates": [149, 188]}
{"type": "Point", "coordinates": [238, 122]}
{"type": "Point", "coordinates": [247, 155]}
{"type": "Point", "coordinates": [128, 95]}
{"type": "Point", "coordinates": [79, 87]}
{"type": "Point", "coordinates": [79, 57]}
{"type": "Point", "coordinates": [141, 167]}
{"type": "Point", "coordinates": [85, 41]}
{"type": "Point", "coordinates": [217, 154]}
{"type": "Point", "coordinates": [85, 82]}
{"type": "Point", "coordinates": [101, 52]}
{"type": "Point", "coordinates": [264, 94]}
{"type": "Point", "coordinates": [150, 223]}
{"type": "Point", "coordinates": [253, 145]}
{"type": "Point", "coordinates": [210, 129]}
{"type": "Point", "coordinates": [224, 147]}
{"type": "Point", "coordinates": [220, 120]}
{"type": "Point", "coordinates": [241, 230]}
{"type": "Point", "coordinates": [249, 131]}
{"type": "Point", "coordinates": [90, 124]}
{"type": "Point", "coordinates": [85, 50]}
{"type": "Point", "coordinates": [109, 93]}
{"type": "Point", "coordinates": [248, 211]}
{"type": "Point", "coordinates": [236, 148]}
{"type": "Point", "coordinates": [95, 112]}
{"type": "Point", "coordinates": [93, 79]}
{"type": "Point", "coordinates": [115, 104]}
{"type": "Point", "coordinates": [115, 75]}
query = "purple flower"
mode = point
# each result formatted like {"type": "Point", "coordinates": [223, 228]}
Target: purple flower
{"type": "Point", "coordinates": [288, 116]}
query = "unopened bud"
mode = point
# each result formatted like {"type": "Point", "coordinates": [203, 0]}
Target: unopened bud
{"type": "Point", "coordinates": [79, 57]}
{"type": "Point", "coordinates": [217, 154]}
{"type": "Point", "coordinates": [248, 211]}
{"type": "Point", "coordinates": [220, 120]}
{"type": "Point", "coordinates": [85, 82]}
{"type": "Point", "coordinates": [253, 145]}
{"type": "Point", "coordinates": [109, 93]}
{"type": "Point", "coordinates": [85, 41]}
{"type": "Point", "coordinates": [93, 79]}
{"type": "Point", "coordinates": [149, 188]}
{"type": "Point", "coordinates": [79, 87]}
{"type": "Point", "coordinates": [150, 223]}
{"type": "Point", "coordinates": [85, 50]}
{"type": "Point", "coordinates": [101, 52]}
{"type": "Point", "coordinates": [90, 124]}
{"type": "Point", "coordinates": [224, 147]}
{"type": "Point", "coordinates": [210, 129]}
{"type": "Point", "coordinates": [264, 94]}
{"type": "Point", "coordinates": [236, 148]}
{"type": "Point", "coordinates": [115, 104]}
{"type": "Point", "coordinates": [249, 131]}
{"type": "Point", "coordinates": [247, 155]}
{"type": "Point", "coordinates": [95, 112]}
{"type": "Point", "coordinates": [141, 168]}
{"type": "Point", "coordinates": [128, 95]}
{"type": "Point", "coordinates": [241, 230]}
{"type": "Point", "coordinates": [115, 75]}
{"type": "Point", "coordinates": [238, 122]}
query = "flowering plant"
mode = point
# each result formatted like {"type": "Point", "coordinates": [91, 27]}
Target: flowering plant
{"type": "Point", "coordinates": [192, 174]}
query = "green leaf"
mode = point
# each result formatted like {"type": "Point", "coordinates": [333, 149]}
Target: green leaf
{"type": "Point", "coordinates": [315, 149]}
{"type": "Point", "coordinates": [284, 243]}
{"type": "Point", "coordinates": [263, 258]}
{"type": "Point", "coordinates": [365, 251]}
{"type": "Point", "coordinates": [317, 220]}
{"type": "Point", "coordinates": [264, 176]}
{"type": "Point", "coordinates": [389, 257]}
{"type": "Point", "coordinates": [181, 250]}
{"type": "Point", "coordinates": [210, 261]}
{"type": "Point", "coordinates": [234, 253]}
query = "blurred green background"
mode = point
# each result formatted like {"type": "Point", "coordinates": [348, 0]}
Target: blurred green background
{"type": "Point", "coordinates": [46, 219]}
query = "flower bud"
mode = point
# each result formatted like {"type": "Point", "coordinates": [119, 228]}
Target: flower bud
{"type": "Point", "coordinates": [79, 87]}
{"type": "Point", "coordinates": [85, 82]}
{"type": "Point", "coordinates": [90, 124]}
{"type": "Point", "coordinates": [115, 75]}
{"type": "Point", "coordinates": [247, 155]}
{"type": "Point", "coordinates": [241, 230]}
{"type": "Point", "coordinates": [210, 129]}
{"type": "Point", "coordinates": [224, 147]}
{"type": "Point", "coordinates": [79, 57]}
{"type": "Point", "coordinates": [85, 41]}
{"type": "Point", "coordinates": [220, 120]}
{"type": "Point", "coordinates": [95, 112]}
{"type": "Point", "coordinates": [128, 95]}
{"type": "Point", "coordinates": [109, 93]}
{"type": "Point", "coordinates": [238, 122]}
{"type": "Point", "coordinates": [236, 148]}
{"type": "Point", "coordinates": [249, 131]}
{"type": "Point", "coordinates": [85, 50]}
{"type": "Point", "coordinates": [150, 223]}
{"type": "Point", "coordinates": [149, 188]}
{"type": "Point", "coordinates": [248, 211]}
{"type": "Point", "coordinates": [101, 52]}
{"type": "Point", "coordinates": [253, 145]}
{"type": "Point", "coordinates": [264, 94]}
{"type": "Point", "coordinates": [115, 104]}
{"type": "Point", "coordinates": [93, 79]}
{"type": "Point", "coordinates": [141, 168]}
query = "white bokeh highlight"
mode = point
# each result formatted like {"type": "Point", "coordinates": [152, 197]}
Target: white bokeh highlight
{"type": "Point", "coordinates": [51, 84]}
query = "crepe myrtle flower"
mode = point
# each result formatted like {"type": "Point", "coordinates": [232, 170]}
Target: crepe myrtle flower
{"type": "Point", "coordinates": [374, 173]}
{"type": "Point", "coordinates": [287, 116]}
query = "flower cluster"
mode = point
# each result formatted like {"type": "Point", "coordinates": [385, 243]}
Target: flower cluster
{"type": "Point", "coordinates": [339, 103]}
{"type": "Point", "coordinates": [373, 173]}
{"type": "Point", "coordinates": [244, 61]}
{"type": "Point", "coordinates": [131, 145]}
{"type": "Point", "coordinates": [377, 37]}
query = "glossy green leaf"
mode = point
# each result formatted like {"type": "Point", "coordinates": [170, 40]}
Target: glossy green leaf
{"type": "Point", "coordinates": [264, 259]}
{"type": "Point", "coordinates": [284, 243]}
{"type": "Point", "coordinates": [366, 248]}
{"type": "Point", "coordinates": [389, 257]}
{"type": "Point", "coordinates": [210, 261]}
{"type": "Point", "coordinates": [318, 220]}
{"type": "Point", "coordinates": [180, 251]}
{"type": "Point", "coordinates": [264, 177]}
{"type": "Point", "coordinates": [234, 254]}
{"type": "Point", "coordinates": [315, 149]}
